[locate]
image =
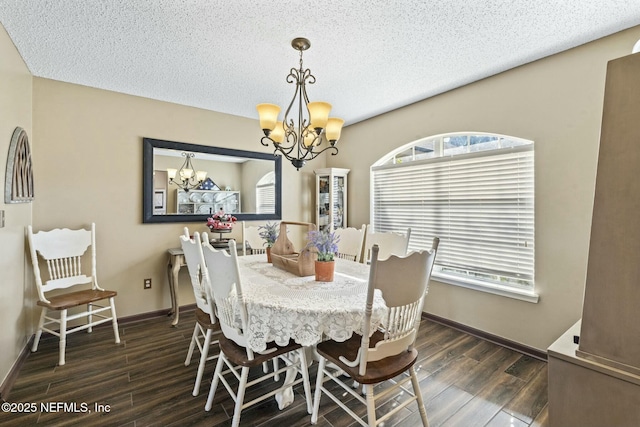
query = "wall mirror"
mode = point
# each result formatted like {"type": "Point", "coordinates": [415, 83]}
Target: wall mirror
{"type": "Point", "coordinates": [246, 184]}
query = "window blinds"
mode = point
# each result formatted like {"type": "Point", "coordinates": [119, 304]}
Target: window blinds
{"type": "Point", "coordinates": [480, 205]}
{"type": "Point", "coordinates": [266, 198]}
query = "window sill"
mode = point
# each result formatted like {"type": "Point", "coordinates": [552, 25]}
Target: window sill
{"type": "Point", "coordinates": [503, 291]}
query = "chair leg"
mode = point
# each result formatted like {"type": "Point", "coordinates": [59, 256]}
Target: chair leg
{"type": "Point", "coordinates": [276, 377]}
{"type": "Point", "coordinates": [192, 345]}
{"type": "Point", "coordinates": [214, 382]}
{"type": "Point", "coordinates": [34, 346]}
{"type": "Point", "coordinates": [418, 393]}
{"type": "Point", "coordinates": [63, 335]}
{"type": "Point", "coordinates": [318, 392]}
{"type": "Point", "coordinates": [114, 320]}
{"type": "Point", "coordinates": [203, 360]}
{"type": "Point", "coordinates": [89, 317]}
{"type": "Point", "coordinates": [371, 406]}
{"type": "Point", "coordinates": [242, 387]}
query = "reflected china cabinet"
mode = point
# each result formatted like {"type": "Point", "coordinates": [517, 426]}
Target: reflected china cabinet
{"type": "Point", "coordinates": [331, 198]}
{"type": "Point", "coordinates": [207, 201]}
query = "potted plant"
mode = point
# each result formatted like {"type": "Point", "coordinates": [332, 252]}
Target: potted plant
{"type": "Point", "coordinates": [326, 244]}
{"type": "Point", "coordinates": [269, 233]}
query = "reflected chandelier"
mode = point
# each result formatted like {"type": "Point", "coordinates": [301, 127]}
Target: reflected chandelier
{"type": "Point", "coordinates": [187, 180]}
{"type": "Point", "coordinates": [299, 142]}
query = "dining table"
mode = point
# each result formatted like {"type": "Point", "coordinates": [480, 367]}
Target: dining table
{"type": "Point", "coordinates": [283, 306]}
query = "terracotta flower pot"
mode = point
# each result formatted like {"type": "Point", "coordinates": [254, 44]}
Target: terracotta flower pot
{"type": "Point", "coordinates": [268, 254]}
{"type": "Point", "coordinates": [324, 271]}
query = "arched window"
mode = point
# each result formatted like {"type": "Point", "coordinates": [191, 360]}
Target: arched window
{"type": "Point", "coordinates": [475, 191]}
{"type": "Point", "coordinates": [266, 194]}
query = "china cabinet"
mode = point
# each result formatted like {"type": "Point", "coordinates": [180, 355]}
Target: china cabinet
{"type": "Point", "coordinates": [331, 198]}
{"type": "Point", "coordinates": [207, 201]}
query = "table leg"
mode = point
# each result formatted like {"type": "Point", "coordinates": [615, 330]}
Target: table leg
{"type": "Point", "coordinates": [175, 261]}
{"type": "Point", "coordinates": [285, 397]}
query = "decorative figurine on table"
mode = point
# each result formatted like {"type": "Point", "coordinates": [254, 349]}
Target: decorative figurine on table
{"type": "Point", "coordinates": [221, 221]}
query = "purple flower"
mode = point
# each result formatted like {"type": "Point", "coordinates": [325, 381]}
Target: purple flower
{"type": "Point", "coordinates": [325, 242]}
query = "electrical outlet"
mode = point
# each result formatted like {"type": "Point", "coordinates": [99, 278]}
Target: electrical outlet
{"type": "Point", "coordinates": [147, 283]}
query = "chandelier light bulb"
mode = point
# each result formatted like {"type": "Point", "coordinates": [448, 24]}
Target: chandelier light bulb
{"type": "Point", "coordinates": [334, 128]}
{"type": "Point", "coordinates": [319, 112]}
{"type": "Point", "coordinates": [268, 115]}
{"type": "Point", "coordinates": [277, 134]}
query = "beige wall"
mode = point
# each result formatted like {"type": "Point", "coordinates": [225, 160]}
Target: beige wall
{"type": "Point", "coordinates": [556, 102]}
{"type": "Point", "coordinates": [17, 287]}
{"type": "Point", "coordinates": [89, 168]}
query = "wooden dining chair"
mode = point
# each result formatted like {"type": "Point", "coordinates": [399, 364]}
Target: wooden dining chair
{"type": "Point", "coordinates": [236, 356]}
{"type": "Point", "coordinates": [389, 243]}
{"type": "Point", "coordinates": [387, 353]}
{"type": "Point", "coordinates": [75, 285]}
{"type": "Point", "coordinates": [350, 243]}
{"type": "Point", "coordinates": [207, 326]}
{"type": "Point", "coordinates": [251, 237]}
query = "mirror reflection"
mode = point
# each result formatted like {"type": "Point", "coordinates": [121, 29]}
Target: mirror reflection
{"type": "Point", "coordinates": [188, 182]}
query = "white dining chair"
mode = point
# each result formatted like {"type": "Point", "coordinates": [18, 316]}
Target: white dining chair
{"type": "Point", "coordinates": [206, 325]}
{"type": "Point", "coordinates": [69, 283]}
{"type": "Point", "coordinates": [251, 237]}
{"type": "Point", "coordinates": [389, 243]}
{"type": "Point", "coordinates": [236, 356]}
{"type": "Point", "coordinates": [387, 354]}
{"type": "Point", "coordinates": [351, 242]}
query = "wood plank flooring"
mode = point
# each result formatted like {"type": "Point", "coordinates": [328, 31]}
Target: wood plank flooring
{"type": "Point", "coordinates": [465, 381]}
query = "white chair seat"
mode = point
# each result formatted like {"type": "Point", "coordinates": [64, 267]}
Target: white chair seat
{"type": "Point", "coordinates": [389, 243]}
{"type": "Point", "coordinates": [64, 285]}
{"type": "Point", "coordinates": [350, 243]}
{"type": "Point", "coordinates": [384, 355]}
{"type": "Point", "coordinates": [251, 237]}
{"type": "Point", "coordinates": [206, 324]}
{"type": "Point", "coordinates": [236, 356]}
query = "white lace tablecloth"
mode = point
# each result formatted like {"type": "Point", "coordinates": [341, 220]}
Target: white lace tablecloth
{"type": "Point", "coordinates": [282, 305]}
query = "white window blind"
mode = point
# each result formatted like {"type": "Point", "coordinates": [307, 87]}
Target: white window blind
{"type": "Point", "coordinates": [480, 205]}
{"type": "Point", "coordinates": [266, 194]}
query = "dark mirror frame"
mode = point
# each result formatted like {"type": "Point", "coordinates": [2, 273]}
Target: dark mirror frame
{"type": "Point", "coordinates": [148, 144]}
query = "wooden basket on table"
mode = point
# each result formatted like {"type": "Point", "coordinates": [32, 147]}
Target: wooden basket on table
{"type": "Point", "coordinates": [285, 257]}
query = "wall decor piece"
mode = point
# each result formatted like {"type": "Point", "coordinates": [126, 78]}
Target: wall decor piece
{"type": "Point", "coordinates": [18, 183]}
{"type": "Point", "coordinates": [238, 168]}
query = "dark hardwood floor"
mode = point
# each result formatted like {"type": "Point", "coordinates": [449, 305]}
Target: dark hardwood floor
{"type": "Point", "coordinates": [465, 380]}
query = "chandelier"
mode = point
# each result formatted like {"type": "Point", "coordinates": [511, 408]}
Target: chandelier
{"type": "Point", "coordinates": [187, 180]}
{"type": "Point", "coordinates": [301, 141]}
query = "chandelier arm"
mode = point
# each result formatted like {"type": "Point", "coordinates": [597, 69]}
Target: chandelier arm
{"type": "Point", "coordinates": [278, 147]}
{"type": "Point", "coordinates": [317, 153]}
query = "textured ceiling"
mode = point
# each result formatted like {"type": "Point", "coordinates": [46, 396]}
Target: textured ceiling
{"type": "Point", "coordinates": [368, 57]}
